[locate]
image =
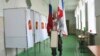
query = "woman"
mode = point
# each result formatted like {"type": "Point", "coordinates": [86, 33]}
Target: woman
{"type": "Point", "coordinates": [55, 24]}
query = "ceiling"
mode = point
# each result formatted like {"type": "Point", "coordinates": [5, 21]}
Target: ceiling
{"type": "Point", "coordinates": [70, 5]}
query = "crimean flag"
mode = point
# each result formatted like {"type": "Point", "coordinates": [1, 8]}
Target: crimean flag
{"type": "Point", "coordinates": [61, 17]}
{"type": "Point", "coordinates": [60, 9]}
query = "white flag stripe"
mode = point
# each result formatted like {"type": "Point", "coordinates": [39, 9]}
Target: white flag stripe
{"type": "Point", "coordinates": [60, 4]}
{"type": "Point", "coordinates": [64, 21]}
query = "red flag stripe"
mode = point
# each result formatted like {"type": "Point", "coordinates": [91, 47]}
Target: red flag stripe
{"type": "Point", "coordinates": [60, 13]}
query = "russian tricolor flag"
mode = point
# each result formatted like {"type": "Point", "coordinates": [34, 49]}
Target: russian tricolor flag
{"type": "Point", "coordinates": [50, 20]}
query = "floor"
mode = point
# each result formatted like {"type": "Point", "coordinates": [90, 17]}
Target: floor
{"type": "Point", "coordinates": [70, 48]}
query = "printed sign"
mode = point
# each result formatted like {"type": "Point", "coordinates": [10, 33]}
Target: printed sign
{"type": "Point", "coordinates": [54, 39]}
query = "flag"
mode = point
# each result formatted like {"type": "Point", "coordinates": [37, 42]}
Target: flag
{"type": "Point", "coordinates": [50, 21]}
{"type": "Point", "coordinates": [61, 16]}
{"type": "Point", "coordinates": [60, 9]}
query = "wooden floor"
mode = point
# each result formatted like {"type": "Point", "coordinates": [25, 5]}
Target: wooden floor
{"type": "Point", "coordinates": [70, 48]}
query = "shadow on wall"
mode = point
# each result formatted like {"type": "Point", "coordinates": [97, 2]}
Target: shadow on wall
{"type": "Point", "coordinates": [97, 38]}
{"type": "Point", "coordinates": [71, 22]}
{"type": "Point", "coordinates": [2, 50]}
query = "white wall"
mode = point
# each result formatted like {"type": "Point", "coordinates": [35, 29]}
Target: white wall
{"type": "Point", "coordinates": [40, 6]}
{"type": "Point", "coordinates": [37, 5]}
{"type": "Point", "coordinates": [1, 7]}
{"type": "Point", "coordinates": [2, 50]}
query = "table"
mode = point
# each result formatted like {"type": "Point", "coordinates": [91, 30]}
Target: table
{"type": "Point", "coordinates": [95, 49]}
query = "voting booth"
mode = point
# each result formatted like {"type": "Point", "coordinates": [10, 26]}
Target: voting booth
{"type": "Point", "coordinates": [18, 28]}
{"type": "Point", "coordinates": [39, 27]}
{"type": "Point", "coordinates": [43, 28]}
{"type": "Point", "coordinates": [36, 26]}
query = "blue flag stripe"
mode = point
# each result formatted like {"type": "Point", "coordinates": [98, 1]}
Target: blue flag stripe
{"type": "Point", "coordinates": [62, 4]}
{"type": "Point", "coordinates": [50, 8]}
